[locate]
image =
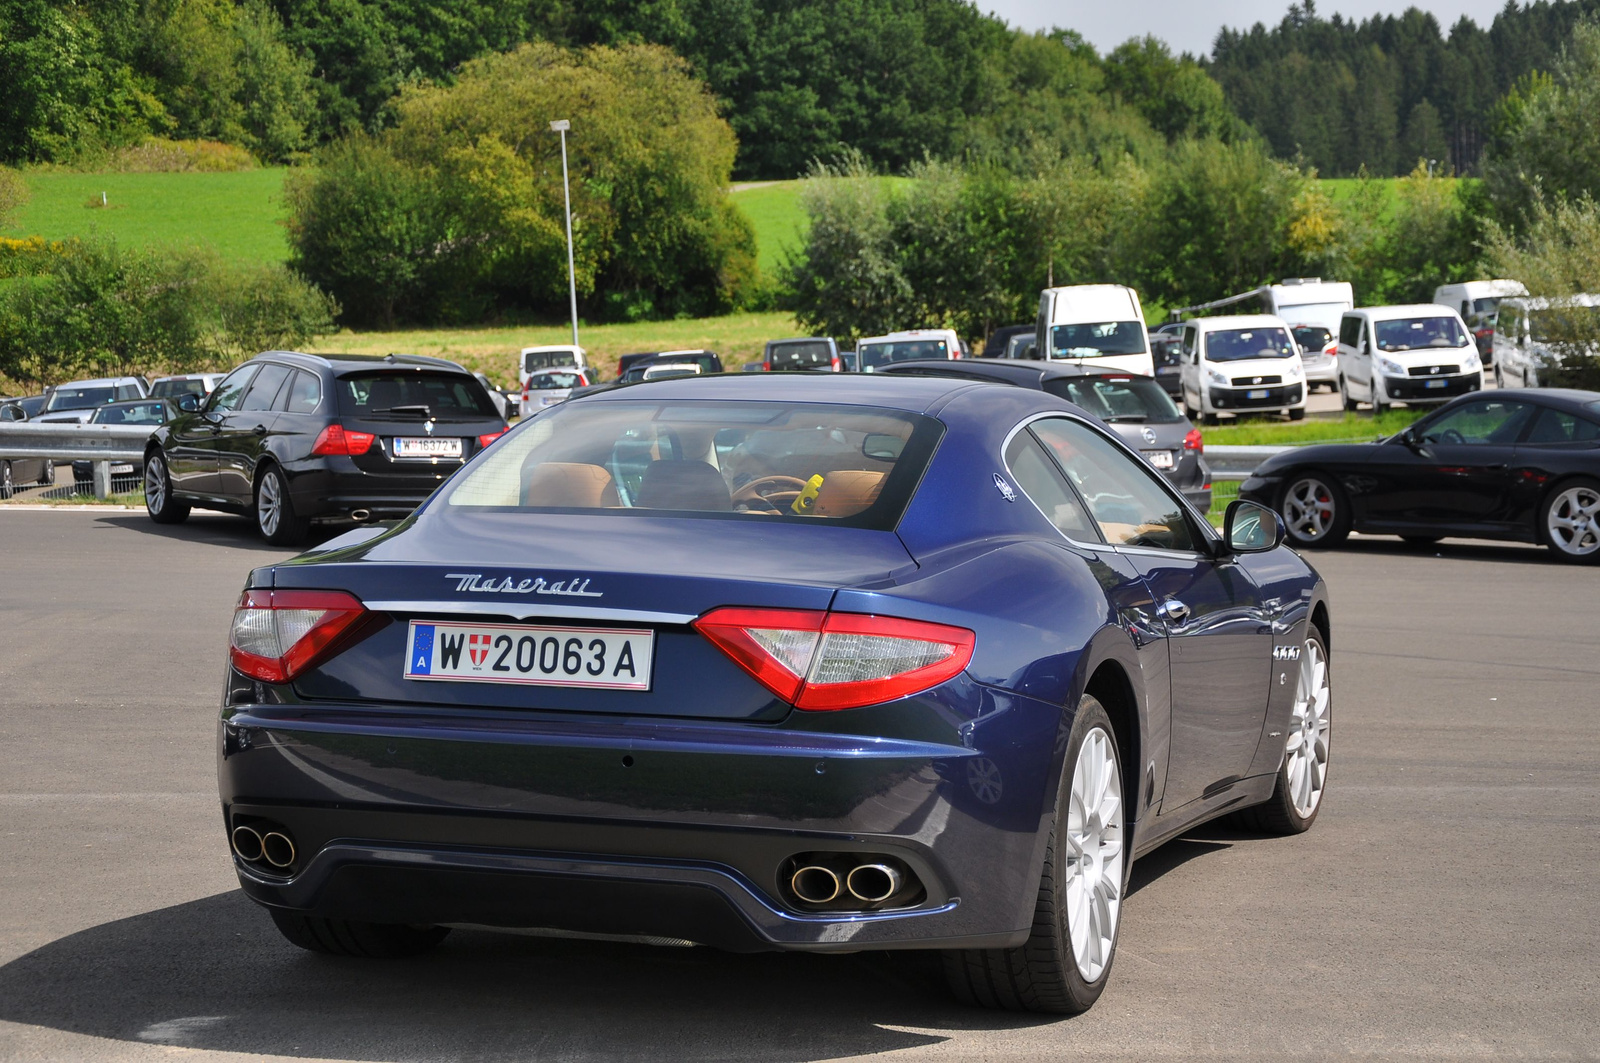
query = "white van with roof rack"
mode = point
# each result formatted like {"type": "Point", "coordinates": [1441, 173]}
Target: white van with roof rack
{"type": "Point", "coordinates": [1099, 325]}
{"type": "Point", "coordinates": [1247, 363]}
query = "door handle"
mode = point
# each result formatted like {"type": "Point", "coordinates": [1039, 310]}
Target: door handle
{"type": "Point", "coordinates": [1172, 611]}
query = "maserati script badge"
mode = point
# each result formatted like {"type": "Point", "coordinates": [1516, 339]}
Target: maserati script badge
{"type": "Point", "coordinates": [1005, 488]}
{"type": "Point", "coordinates": [477, 584]}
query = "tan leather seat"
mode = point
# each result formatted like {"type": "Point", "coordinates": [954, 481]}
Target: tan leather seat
{"type": "Point", "coordinates": [847, 492]}
{"type": "Point", "coordinates": [563, 483]}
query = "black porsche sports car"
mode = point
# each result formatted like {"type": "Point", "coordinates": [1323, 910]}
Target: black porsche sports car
{"type": "Point", "coordinates": [1516, 464]}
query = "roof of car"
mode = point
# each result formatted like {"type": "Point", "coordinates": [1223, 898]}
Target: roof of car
{"type": "Point", "coordinates": [908, 334]}
{"type": "Point", "coordinates": [1208, 324]}
{"type": "Point", "coordinates": [1025, 371]}
{"type": "Point", "coordinates": [360, 361]}
{"type": "Point", "coordinates": [895, 391]}
{"type": "Point", "coordinates": [1562, 398]}
{"type": "Point", "coordinates": [1389, 313]}
{"type": "Point", "coordinates": [99, 382]}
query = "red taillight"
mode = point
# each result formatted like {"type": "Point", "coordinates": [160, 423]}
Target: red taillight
{"type": "Point", "coordinates": [485, 440]}
{"type": "Point", "coordinates": [337, 439]}
{"type": "Point", "coordinates": [1332, 349]}
{"type": "Point", "coordinates": [823, 661]}
{"type": "Point", "coordinates": [278, 634]}
{"type": "Point", "coordinates": [835, 363]}
{"type": "Point", "coordinates": [1194, 441]}
{"type": "Point", "coordinates": [766, 365]}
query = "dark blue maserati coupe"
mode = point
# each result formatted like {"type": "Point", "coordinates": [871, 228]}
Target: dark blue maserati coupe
{"type": "Point", "coordinates": [785, 661]}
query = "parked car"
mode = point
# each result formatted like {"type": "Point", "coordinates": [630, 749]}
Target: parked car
{"type": "Point", "coordinates": [27, 405]}
{"type": "Point", "coordinates": [1098, 323]}
{"type": "Point", "coordinates": [1478, 303]}
{"type": "Point", "coordinates": [873, 352]}
{"type": "Point", "coordinates": [21, 471]}
{"type": "Point", "coordinates": [1521, 465]}
{"type": "Point", "coordinates": [549, 387]}
{"type": "Point", "coordinates": [1137, 408]}
{"type": "Point", "coordinates": [1246, 363]}
{"type": "Point", "coordinates": [502, 402]}
{"type": "Point", "coordinates": [816, 354]}
{"type": "Point", "coordinates": [663, 371]}
{"type": "Point", "coordinates": [289, 438]}
{"type": "Point", "coordinates": [1166, 354]}
{"type": "Point", "coordinates": [848, 362]}
{"type": "Point", "coordinates": [151, 411]}
{"type": "Point", "coordinates": [554, 356]}
{"type": "Point", "coordinates": [1418, 355]}
{"type": "Point", "coordinates": [1524, 352]}
{"type": "Point", "coordinates": [1012, 658]}
{"type": "Point", "coordinates": [708, 361]}
{"type": "Point", "coordinates": [1004, 343]}
{"type": "Point", "coordinates": [1319, 352]}
{"type": "Point", "coordinates": [75, 401]}
{"type": "Point", "coordinates": [172, 387]}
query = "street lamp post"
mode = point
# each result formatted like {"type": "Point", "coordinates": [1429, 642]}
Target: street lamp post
{"type": "Point", "coordinates": [561, 125]}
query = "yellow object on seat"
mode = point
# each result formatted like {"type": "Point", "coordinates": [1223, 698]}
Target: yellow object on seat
{"type": "Point", "coordinates": [847, 492]}
{"type": "Point", "coordinates": [563, 483]}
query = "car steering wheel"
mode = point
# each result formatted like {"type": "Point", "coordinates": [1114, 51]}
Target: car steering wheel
{"type": "Point", "coordinates": [1450, 435]}
{"type": "Point", "coordinates": [752, 492]}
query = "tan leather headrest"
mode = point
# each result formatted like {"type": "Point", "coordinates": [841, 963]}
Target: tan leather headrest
{"type": "Point", "coordinates": [847, 492]}
{"type": "Point", "coordinates": [562, 483]}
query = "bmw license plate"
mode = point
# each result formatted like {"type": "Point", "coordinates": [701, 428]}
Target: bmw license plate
{"type": "Point", "coordinates": [606, 658]}
{"type": "Point", "coordinates": [1161, 459]}
{"type": "Point", "coordinates": [427, 448]}
{"type": "Point", "coordinates": [1434, 383]}
{"type": "Point", "coordinates": [1259, 394]}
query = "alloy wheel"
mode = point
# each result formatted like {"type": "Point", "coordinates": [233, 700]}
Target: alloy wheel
{"type": "Point", "coordinates": [155, 485]}
{"type": "Point", "coordinates": [1094, 854]}
{"type": "Point", "coordinates": [1572, 521]}
{"type": "Point", "coordinates": [269, 504]}
{"type": "Point", "coordinates": [1307, 749]}
{"type": "Point", "coordinates": [1308, 509]}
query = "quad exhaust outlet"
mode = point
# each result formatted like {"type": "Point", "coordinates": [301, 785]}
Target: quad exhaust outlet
{"type": "Point", "coordinates": [849, 882]}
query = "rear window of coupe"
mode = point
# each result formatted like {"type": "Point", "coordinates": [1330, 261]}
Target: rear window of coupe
{"type": "Point", "coordinates": [811, 463]}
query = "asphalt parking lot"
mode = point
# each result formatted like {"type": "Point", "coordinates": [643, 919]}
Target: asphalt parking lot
{"type": "Point", "coordinates": [1444, 906]}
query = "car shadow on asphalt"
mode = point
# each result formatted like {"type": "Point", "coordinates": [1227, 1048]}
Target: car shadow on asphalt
{"type": "Point", "coordinates": [1169, 857]}
{"type": "Point", "coordinates": [218, 529]}
{"type": "Point", "coordinates": [214, 974]}
{"type": "Point", "coordinates": [1457, 549]}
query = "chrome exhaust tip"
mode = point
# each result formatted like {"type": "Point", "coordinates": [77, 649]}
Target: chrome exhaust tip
{"type": "Point", "coordinates": [278, 849]}
{"type": "Point", "coordinates": [815, 884]}
{"type": "Point", "coordinates": [873, 883]}
{"type": "Point", "coordinates": [360, 515]}
{"type": "Point", "coordinates": [247, 843]}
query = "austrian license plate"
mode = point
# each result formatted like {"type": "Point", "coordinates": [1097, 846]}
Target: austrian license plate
{"type": "Point", "coordinates": [606, 658]}
{"type": "Point", "coordinates": [1434, 383]}
{"type": "Point", "coordinates": [1260, 394]}
{"type": "Point", "coordinates": [1161, 459]}
{"type": "Point", "coordinates": [427, 448]}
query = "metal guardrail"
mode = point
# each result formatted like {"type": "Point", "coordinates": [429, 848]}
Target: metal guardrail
{"type": "Point", "coordinates": [1237, 463]}
{"type": "Point", "coordinates": [99, 443]}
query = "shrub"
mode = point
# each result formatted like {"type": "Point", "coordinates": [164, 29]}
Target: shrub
{"type": "Point", "coordinates": [159, 155]}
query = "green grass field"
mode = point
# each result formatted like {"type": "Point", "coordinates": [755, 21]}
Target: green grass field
{"type": "Point", "coordinates": [1350, 428]}
{"type": "Point", "coordinates": [239, 214]}
{"type": "Point", "coordinates": [774, 210]}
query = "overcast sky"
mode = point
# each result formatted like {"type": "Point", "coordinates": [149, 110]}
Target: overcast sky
{"type": "Point", "coordinates": [1191, 25]}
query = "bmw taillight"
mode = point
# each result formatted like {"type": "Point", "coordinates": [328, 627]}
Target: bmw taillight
{"type": "Point", "coordinates": [485, 440]}
{"type": "Point", "coordinates": [1194, 441]}
{"type": "Point", "coordinates": [337, 439]}
{"type": "Point", "coordinates": [822, 661]}
{"type": "Point", "coordinates": [279, 633]}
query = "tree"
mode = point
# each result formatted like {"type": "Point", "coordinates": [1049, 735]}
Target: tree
{"type": "Point", "coordinates": [13, 195]}
{"type": "Point", "coordinates": [1174, 94]}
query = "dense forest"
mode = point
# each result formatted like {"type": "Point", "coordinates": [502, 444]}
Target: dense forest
{"type": "Point", "coordinates": [897, 80]}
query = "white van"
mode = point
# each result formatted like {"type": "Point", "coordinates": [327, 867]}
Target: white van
{"type": "Point", "coordinates": [556, 356]}
{"type": "Point", "coordinates": [1478, 303]}
{"type": "Point", "coordinates": [1248, 363]}
{"type": "Point", "coordinates": [1522, 347]}
{"type": "Point", "coordinates": [912, 344]}
{"type": "Point", "coordinates": [1094, 324]}
{"type": "Point", "coordinates": [1419, 354]}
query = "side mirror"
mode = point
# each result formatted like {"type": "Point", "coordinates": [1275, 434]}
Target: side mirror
{"type": "Point", "coordinates": [1251, 528]}
{"type": "Point", "coordinates": [189, 403]}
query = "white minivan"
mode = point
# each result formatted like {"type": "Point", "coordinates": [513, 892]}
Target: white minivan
{"type": "Point", "coordinates": [1523, 352]}
{"type": "Point", "coordinates": [1478, 303]}
{"type": "Point", "coordinates": [555, 356]}
{"type": "Point", "coordinates": [1248, 363]}
{"type": "Point", "coordinates": [1418, 354]}
{"type": "Point", "coordinates": [873, 352]}
{"type": "Point", "coordinates": [1101, 325]}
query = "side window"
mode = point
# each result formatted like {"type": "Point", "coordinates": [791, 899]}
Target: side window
{"type": "Point", "coordinates": [1485, 422]}
{"type": "Point", "coordinates": [1559, 426]}
{"type": "Point", "coordinates": [303, 395]}
{"type": "Point", "coordinates": [1042, 482]}
{"type": "Point", "coordinates": [128, 391]}
{"type": "Point", "coordinates": [1125, 500]}
{"type": "Point", "coordinates": [1190, 341]}
{"type": "Point", "coordinates": [231, 390]}
{"type": "Point", "coordinates": [1350, 331]}
{"type": "Point", "coordinates": [265, 387]}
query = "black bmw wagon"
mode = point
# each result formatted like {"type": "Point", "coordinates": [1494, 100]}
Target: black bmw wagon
{"type": "Point", "coordinates": [290, 438]}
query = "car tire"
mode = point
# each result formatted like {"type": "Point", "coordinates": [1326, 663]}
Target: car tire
{"type": "Point", "coordinates": [1316, 512]}
{"type": "Point", "coordinates": [1064, 965]}
{"type": "Point", "coordinates": [1210, 420]}
{"type": "Point", "coordinates": [158, 500]}
{"type": "Point", "coordinates": [1302, 777]}
{"type": "Point", "coordinates": [345, 937]}
{"type": "Point", "coordinates": [1569, 521]}
{"type": "Point", "coordinates": [274, 510]}
{"type": "Point", "coordinates": [1344, 394]}
{"type": "Point", "coordinates": [1297, 415]}
{"type": "Point", "coordinates": [1378, 404]}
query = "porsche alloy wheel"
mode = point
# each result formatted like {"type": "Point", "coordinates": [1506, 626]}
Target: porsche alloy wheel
{"type": "Point", "coordinates": [1314, 512]}
{"type": "Point", "coordinates": [1306, 751]}
{"type": "Point", "coordinates": [1572, 522]}
{"type": "Point", "coordinates": [1094, 854]}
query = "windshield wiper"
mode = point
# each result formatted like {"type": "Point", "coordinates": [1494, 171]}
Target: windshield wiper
{"type": "Point", "coordinates": [427, 413]}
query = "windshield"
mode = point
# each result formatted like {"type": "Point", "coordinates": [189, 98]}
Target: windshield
{"type": "Point", "coordinates": [532, 360]}
{"type": "Point", "coordinates": [802, 355]}
{"type": "Point", "coordinates": [1097, 339]}
{"type": "Point", "coordinates": [143, 413]}
{"type": "Point", "coordinates": [1419, 333]}
{"type": "Point", "coordinates": [1312, 338]}
{"type": "Point", "coordinates": [761, 460]}
{"type": "Point", "coordinates": [410, 395]}
{"type": "Point", "coordinates": [1240, 344]}
{"type": "Point", "coordinates": [552, 381]}
{"type": "Point", "coordinates": [875, 354]}
{"type": "Point", "coordinates": [79, 398]}
{"type": "Point", "coordinates": [1117, 399]}
{"type": "Point", "coordinates": [171, 389]}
